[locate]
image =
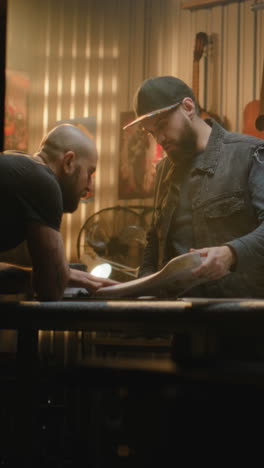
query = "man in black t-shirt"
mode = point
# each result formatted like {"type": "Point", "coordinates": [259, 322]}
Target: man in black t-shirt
{"type": "Point", "coordinates": [34, 193]}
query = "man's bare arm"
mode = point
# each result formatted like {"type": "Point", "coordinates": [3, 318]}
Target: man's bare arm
{"type": "Point", "coordinates": [51, 273]}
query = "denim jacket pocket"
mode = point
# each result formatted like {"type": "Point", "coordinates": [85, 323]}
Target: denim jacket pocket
{"type": "Point", "coordinates": [227, 218]}
{"type": "Point", "coordinates": [227, 205]}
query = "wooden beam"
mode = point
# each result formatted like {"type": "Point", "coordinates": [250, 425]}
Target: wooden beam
{"type": "Point", "coordinates": [196, 4]}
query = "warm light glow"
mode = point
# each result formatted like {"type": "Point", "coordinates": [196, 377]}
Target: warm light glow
{"type": "Point", "coordinates": [83, 212]}
{"type": "Point", "coordinates": [100, 85]}
{"type": "Point", "coordinates": [46, 87]}
{"type": "Point", "coordinates": [88, 48]}
{"type": "Point", "coordinates": [113, 143]}
{"type": "Point", "coordinates": [99, 117]}
{"type": "Point", "coordinates": [61, 40]}
{"type": "Point", "coordinates": [86, 93]}
{"type": "Point", "coordinates": [102, 271]}
{"type": "Point", "coordinates": [101, 50]}
{"type": "Point", "coordinates": [87, 69]}
{"type": "Point", "coordinates": [68, 240]}
{"type": "Point", "coordinates": [114, 84]}
{"type": "Point", "coordinates": [74, 55]}
{"type": "Point", "coordinates": [59, 93]}
{"type": "Point", "coordinates": [46, 76]}
{"type": "Point", "coordinates": [73, 92]}
{"type": "Point", "coordinates": [59, 86]}
{"type": "Point", "coordinates": [52, 337]}
{"type": "Point", "coordinates": [99, 114]}
{"type": "Point", "coordinates": [60, 59]}
{"type": "Point", "coordinates": [45, 337]}
{"type": "Point", "coordinates": [113, 114]}
{"type": "Point", "coordinates": [40, 334]}
{"type": "Point", "coordinates": [115, 51]}
{"type": "Point", "coordinates": [45, 118]}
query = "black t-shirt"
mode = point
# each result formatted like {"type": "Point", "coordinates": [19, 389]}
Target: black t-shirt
{"type": "Point", "coordinates": [29, 192]}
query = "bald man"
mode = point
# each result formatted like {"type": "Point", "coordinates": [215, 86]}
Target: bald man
{"type": "Point", "coordinates": [34, 193]}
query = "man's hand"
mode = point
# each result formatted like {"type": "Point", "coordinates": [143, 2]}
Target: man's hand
{"type": "Point", "coordinates": [216, 264]}
{"type": "Point", "coordinates": [83, 279]}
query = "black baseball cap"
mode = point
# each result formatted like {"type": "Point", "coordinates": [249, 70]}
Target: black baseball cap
{"type": "Point", "coordinates": [157, 95]}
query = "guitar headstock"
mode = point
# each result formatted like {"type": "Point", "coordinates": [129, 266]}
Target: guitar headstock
{"type": "Point", "coordinates": [201, 41]}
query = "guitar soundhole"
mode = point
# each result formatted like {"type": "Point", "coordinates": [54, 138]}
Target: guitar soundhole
{"type": "Point", "coordinates": [259, 124]}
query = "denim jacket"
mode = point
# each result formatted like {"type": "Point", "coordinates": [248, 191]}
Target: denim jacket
{"type": "Point", "coordinates": [227, 197]}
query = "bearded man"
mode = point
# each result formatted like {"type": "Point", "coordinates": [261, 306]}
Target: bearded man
{"type": "Point", "coordinates": [34, 193]}
{"type": "Point", "coordinates": [209, 194]}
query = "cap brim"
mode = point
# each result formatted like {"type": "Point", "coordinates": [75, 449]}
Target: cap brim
{"type": "Point", "coordinates": [150, 114]}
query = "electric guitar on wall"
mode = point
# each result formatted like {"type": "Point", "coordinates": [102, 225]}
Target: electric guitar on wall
{"type": "Point", "coordinates": [201, 41]}
{"type": "Point", "coordinates": [253, 117]}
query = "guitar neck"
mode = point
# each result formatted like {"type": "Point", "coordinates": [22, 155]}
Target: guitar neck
{"type": "Point", "coordinates": [195, 80]}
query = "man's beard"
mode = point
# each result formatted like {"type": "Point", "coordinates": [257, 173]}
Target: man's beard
{"type": "Point", "coordinates": [184, 149]}
{"type": "Point", "coordinates": [69, 195]}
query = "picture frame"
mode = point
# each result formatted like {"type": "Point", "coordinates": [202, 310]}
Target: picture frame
{"type": "Point", "coordinates": [139, 155]}
{"type": "Point", "coordinates": [16, 111]}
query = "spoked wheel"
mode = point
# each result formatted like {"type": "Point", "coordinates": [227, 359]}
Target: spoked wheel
{"type": "Point", "coordinates": [116, 236]}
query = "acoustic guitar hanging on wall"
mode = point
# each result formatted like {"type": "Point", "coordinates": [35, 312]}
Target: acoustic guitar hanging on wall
{"type": "Point", "coordinates": [253, 117]}
{"type": "Point", "coordinates": [201, 42]}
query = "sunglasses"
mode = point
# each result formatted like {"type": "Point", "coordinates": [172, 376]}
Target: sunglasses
{"type": "Point", "coordinates": [165, 110]}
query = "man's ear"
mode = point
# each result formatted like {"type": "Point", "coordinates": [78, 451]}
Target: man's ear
{"type": "Point", "coordinates": [189, 106]}
{"type": "Point", "coordinates": [69, 162]}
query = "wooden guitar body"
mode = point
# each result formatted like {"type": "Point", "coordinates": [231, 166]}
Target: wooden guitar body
{"type": "Point", "coordinates": [253, 117]}
{"type": "Point", "coordinates": [251, 114]}
{"type": "Point", "coordinates": [204, 115]}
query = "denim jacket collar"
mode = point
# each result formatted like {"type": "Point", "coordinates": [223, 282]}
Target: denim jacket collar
{"type": "Point", "coordinates": [209, 159]}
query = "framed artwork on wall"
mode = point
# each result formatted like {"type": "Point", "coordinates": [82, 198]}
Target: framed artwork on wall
{"type": "Point", "coordinates": [16, 111]}
{"type": "Point", "coordinates": [139, 155]}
